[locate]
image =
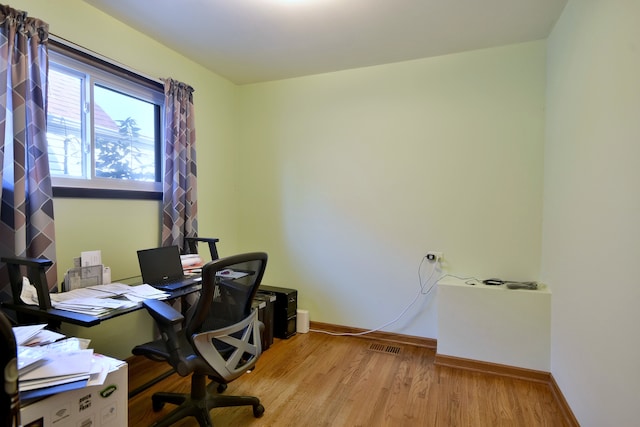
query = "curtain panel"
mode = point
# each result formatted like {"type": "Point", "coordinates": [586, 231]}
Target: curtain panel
{"type": "Point", "coordinates": [26, 212]}
{"type": "Point", "coordinates": [180, 198]}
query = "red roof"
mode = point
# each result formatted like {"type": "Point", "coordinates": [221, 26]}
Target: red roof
{"type": "Point", "coordinates": [64, 101]}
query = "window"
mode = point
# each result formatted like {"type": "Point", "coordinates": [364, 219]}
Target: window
{"type": "Point", "coordinates": [104, 127]}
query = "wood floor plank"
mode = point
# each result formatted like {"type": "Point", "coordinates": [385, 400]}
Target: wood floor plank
{"type": "Point", "coordinates": [320, 380]}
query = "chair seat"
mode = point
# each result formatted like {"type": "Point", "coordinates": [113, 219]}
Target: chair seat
{"type": "Point", "coordinates": [155, 350]}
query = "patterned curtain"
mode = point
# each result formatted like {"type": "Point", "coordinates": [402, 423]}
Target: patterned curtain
{"type": "Point", "coordinates": [26, 212]}
{"type": "Point", "coordinates": [180, 197]}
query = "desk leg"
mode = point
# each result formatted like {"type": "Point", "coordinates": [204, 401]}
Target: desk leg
{"type": "Point", "coordinates": [148, 384]}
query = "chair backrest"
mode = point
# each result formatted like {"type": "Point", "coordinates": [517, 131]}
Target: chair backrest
{"type": "Point", "coordinates": [229, 286]}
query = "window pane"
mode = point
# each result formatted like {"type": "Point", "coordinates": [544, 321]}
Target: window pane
{"type": "Point", "coordinates": [64, 125]}
{"type": "Point", "coordinates": [105, 126]}
{"type": "Point", "coordinates": [125, 135]}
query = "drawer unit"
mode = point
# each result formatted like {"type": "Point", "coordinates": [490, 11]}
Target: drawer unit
{"type": "Point", "coordinates": [285, 310]}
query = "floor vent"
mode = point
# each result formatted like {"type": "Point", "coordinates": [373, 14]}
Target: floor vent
{"type": "Point", "coordinates": [381, 348]}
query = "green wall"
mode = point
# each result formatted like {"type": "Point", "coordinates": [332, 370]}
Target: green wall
{"type": "Point", "coordinates": [346, 179]}
{"type": "Point", "coordinates": [353, 176]}
{"type": "Point", "coordinates": [591, 209]}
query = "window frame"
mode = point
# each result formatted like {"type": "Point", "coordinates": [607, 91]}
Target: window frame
{"type": "Point", "coordinates": [107, 73]}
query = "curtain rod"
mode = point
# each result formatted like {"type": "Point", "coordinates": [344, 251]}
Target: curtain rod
{"type": "Point", "coordinates": [86, 51]}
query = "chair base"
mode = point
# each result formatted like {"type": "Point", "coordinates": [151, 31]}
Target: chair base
{"type": "Point", "coordinates": [191, 405]}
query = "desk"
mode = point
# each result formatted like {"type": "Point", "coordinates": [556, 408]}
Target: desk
{"type": "Point", "coordinates": [44, 311]}
{"type": "Point", "coordinates": [55, 316]}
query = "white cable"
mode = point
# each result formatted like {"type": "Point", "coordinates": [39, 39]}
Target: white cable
{"type": "Point", "coordinates": [433, 270]}
{"type": "Point", "coordinates": [420, 292]}
{"type": "Point", "coordinates": [468, 280]}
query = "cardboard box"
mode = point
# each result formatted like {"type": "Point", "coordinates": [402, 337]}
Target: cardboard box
{"type": "Point", "coordinates": [96, 406]}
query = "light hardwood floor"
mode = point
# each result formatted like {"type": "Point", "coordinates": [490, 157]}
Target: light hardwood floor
{"type": "Point", "coordinates": [315, 379]}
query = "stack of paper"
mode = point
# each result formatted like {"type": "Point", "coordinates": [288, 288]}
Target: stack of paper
{"type": "Point", "coordinates": [25, 333]}
{"type": "Point", "coordinates": [84, 300]}
{"type": "Point", "coordinates": [49, 363]}
{"type": "Point", "coordinates": [58, 368]}
{"type": "Point", "coordinates": [191, 261]}
{"type": "Point", "coordinates": [112, 289]}
{"type": "Point", "coordinates": [142, 292]}
{"type": "Point", "coordinates": [28, 340]}
{"type": "Point", "coordinates": [29, 358]}
{"type": "Point", "coordinates": [63, 362]}
{"type": "Point", "coordinates": [102, 299]}
{"type": "Point", "coordinates": [63, 365]}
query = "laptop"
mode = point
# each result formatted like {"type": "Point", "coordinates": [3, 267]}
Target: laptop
{"type": "Point", "coordinates": [162, 269]}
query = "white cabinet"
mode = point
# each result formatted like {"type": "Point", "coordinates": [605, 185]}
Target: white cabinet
{"type": "Point", "coordinates": [495, 324]}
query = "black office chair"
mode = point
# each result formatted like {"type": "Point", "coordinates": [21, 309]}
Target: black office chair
{"type": "Point", "coordinates": [220, 341]}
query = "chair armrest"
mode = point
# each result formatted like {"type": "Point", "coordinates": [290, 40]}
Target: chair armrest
{"type": "Point", "coordinates": [168, 320]}
{"type": "Point", "coordinates": [29, 262]}
{"type": "Point", "coordinates": [36, 272]}
{"type": "Point", "coordinates": [163, 313]}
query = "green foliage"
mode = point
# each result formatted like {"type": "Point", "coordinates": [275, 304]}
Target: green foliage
{"type": "Point", "coordinates": [120, 157]}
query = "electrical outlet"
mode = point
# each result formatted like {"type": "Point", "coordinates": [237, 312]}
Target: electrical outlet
{"type": "Point", "coordinates": [434, 256]}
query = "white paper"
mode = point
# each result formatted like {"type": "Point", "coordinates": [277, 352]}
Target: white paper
{"type": "Point", "coordinates": [231, 274]}
{"type": "Point", "coordinates": [144, 291]}
{"type": "Point", "coordinates": [89, 258]}
{"type": "Point", "coordinates": [106, 275]}
{"type": "Point", "coordinates": [112, 288]}
{"type": "Point", "coordinates": [25, 333]}
{"type": "Point", "coordinates": [43, 337]}
{"type": "Point", "coordinates": [30, 358]}
{"type": "Point", "coordinates": [61, 365]}
{"type": "Point", "coordinates": [29, 295]}
{"type": "Point", "coordinates": [89, 292]}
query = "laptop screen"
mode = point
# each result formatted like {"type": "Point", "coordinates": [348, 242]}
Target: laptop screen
{"type": "Point", "coordinates": [160, 265]}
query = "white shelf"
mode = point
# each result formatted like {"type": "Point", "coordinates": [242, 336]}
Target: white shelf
{"type": "Point", "coordinates": [495, 324]}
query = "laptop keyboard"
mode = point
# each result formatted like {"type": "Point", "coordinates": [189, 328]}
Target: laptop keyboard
{"type": "Point", "coordinates": [177, 284]}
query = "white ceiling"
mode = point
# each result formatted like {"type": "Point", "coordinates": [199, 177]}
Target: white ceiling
{"type": "Point", "coordinates": [248, 41]}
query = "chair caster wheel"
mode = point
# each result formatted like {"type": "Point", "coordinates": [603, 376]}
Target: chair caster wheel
{"type": "Point", "coordinates": [258, 410]}
{"type": "Point", "coordinates": [222, 388]}
{"type": "Point", "coordinates": [157, 406]}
